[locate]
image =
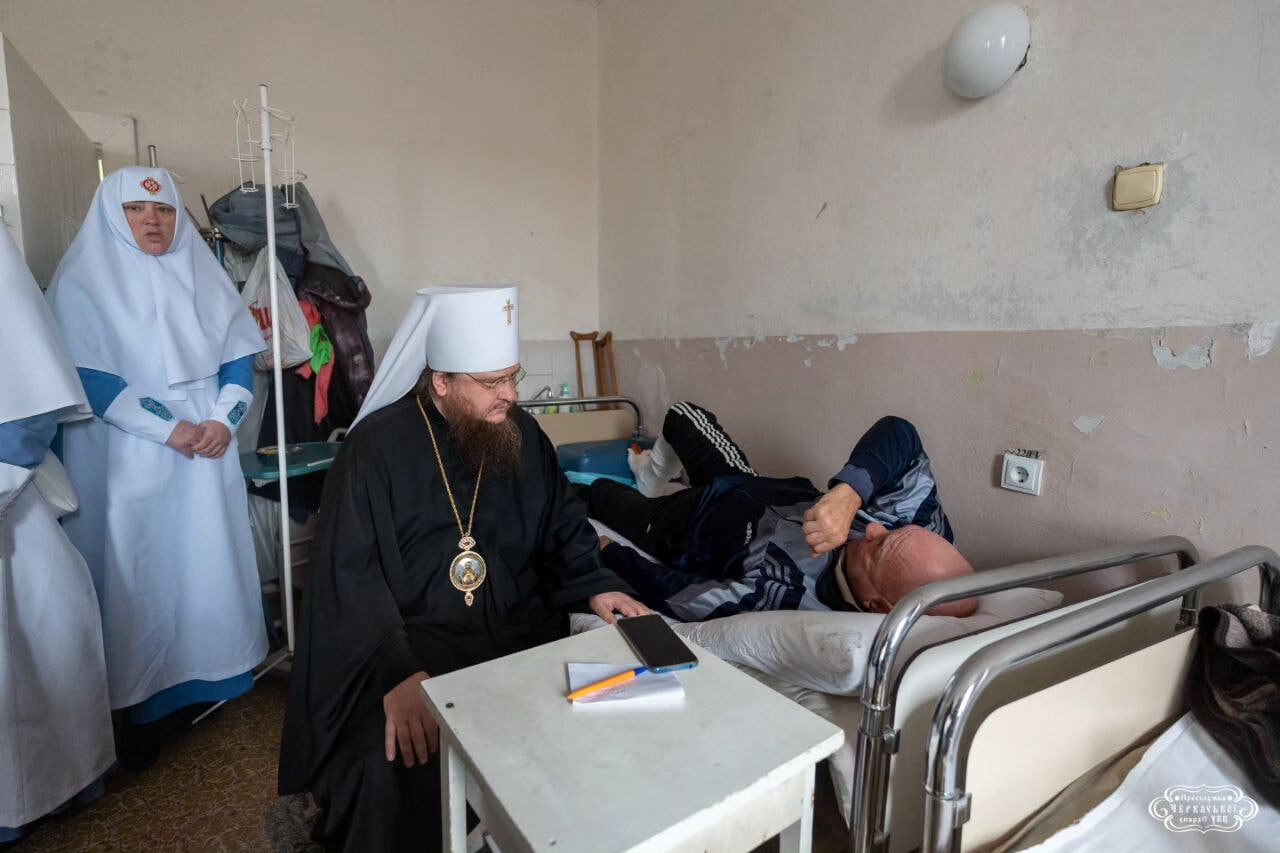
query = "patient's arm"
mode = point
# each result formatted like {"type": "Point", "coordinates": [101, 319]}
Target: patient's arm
{"type": "Point", "coordinates": [694, 598]}
{"type": "Point", "coordinates": [827, 523]}
{"type": "Point", "coordinates": [881, 457]}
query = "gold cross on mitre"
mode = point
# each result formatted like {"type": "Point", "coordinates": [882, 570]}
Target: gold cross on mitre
{"type": "Point", "coordinates": [509, 307]}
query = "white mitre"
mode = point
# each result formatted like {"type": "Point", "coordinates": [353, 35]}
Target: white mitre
{"type": "Point", "coordinates": [453, 329]}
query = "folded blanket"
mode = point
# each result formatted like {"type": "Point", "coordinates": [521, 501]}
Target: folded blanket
{"type": "Point", "coordinates": [1233, 689]}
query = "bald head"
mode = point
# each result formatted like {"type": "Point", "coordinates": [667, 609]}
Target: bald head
{"type": "Point", "coordinates": [887, 564]}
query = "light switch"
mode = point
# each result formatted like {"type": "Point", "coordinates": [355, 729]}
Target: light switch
{"type": "Point", "coordinates": [1138, 187]}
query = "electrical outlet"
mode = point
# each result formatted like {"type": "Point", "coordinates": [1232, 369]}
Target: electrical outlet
{"type": "Point", "coordinates": [1022, 474]}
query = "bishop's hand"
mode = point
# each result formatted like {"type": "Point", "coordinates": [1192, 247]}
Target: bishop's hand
{"type": "Point", "coordinates": [606, 603]}
{"type": "Point", "coordinates": [409, 723]}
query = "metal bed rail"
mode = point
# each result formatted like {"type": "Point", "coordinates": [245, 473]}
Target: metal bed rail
{"type": "Point", "coordinates": [586, 401]}
{"type": "Point", "coordinates": [877, 737]}
{"type": "Point", "coordinates": [947, 805]}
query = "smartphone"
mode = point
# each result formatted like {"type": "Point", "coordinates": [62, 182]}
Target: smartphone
{"type": "Point", "coordinates": [659, 648]}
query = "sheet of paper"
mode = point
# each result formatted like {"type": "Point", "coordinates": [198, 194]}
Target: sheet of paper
{"type": "Point", "coordinates": [648, 689]}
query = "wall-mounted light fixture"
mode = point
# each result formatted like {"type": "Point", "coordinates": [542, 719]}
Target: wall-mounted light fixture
{"type": "Point", "coordinates": [985, 49]}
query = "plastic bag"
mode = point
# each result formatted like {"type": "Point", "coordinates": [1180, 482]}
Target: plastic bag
{"type": "Point", "coordinates": [295, 332]}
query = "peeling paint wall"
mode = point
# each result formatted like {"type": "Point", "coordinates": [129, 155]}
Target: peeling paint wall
{"type": "Point", "coordinates": [778, 168]}
{"type": "Point", "coordinates": [797, 171]}
{"type": "Point", "coordinates": [1131, 449]}
{"type": "Point", "coordinates": [1193, 357]}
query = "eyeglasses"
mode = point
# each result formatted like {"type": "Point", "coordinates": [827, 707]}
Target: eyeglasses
{"type": "Point", "coordinates": [494, 384]}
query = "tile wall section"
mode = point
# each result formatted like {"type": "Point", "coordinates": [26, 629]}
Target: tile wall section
{"type": "Point", "coordinates": [550, 364]}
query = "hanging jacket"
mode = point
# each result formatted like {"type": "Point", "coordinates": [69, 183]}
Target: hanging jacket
{"type": "Point", "coordinates": [315, 236]}
{"type": "Point", "coordinates": [342, 300]}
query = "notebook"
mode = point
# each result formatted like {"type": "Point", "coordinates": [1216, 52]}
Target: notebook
{"type": "Point", "coordinates": [649, 689]}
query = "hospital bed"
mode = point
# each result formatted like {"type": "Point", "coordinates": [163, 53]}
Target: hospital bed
{"type": "Point", "coordinates": [904, 682]}
{"type": "Point", "coordinates": [994, 764]}
{"type": "Point", "coordinates": [598, 423]}
{"type": "Point", "coordinates": [879, 773]}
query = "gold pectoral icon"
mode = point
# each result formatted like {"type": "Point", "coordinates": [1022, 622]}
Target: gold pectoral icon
{"type": "Point", "coordinates": [467, 573]}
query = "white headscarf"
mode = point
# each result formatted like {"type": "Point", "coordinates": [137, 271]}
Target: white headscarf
{"type": "Point", "coordinates": [37, 376]}
{"type": "Point", "coordinates": [455, 330]}
{"type": "Point", "coordinates": [157, 321]}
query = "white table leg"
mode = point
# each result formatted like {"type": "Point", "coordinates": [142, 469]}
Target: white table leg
{"type": "Point", "coordinates": [798, 838]}
{"type": "Point", "coordinates": [453, 796]}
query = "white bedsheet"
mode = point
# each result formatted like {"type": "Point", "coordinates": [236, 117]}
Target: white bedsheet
{"type": "Point", "coordinates": [1186, 794]}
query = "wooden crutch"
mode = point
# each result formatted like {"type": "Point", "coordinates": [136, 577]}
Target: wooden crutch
{"type": "Point", "coordinates": [578, 338]}
{"type": "Point", "coordinates": [606, 372]}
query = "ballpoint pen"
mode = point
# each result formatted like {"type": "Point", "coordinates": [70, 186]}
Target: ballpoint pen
{"type": "Point", "coordinates": [611, 681]}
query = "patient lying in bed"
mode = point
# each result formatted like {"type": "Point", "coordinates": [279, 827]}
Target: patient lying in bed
{"type": "Point", "coordinates": [738, 542]}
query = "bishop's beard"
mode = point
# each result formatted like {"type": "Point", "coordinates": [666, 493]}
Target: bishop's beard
{"type": "Point", "coordinates": [476, 440]}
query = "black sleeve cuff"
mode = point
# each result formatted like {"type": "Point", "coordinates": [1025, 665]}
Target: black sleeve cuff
{"type": "Point", "coordinates": [395, 662]}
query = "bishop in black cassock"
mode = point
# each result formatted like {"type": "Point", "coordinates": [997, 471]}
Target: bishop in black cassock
{"type": "Point", "coordinates": [381, 606]}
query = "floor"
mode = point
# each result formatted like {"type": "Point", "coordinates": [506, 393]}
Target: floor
{"type": "Point", "coordinates": [209, 791]}
{"type": "Point", "coordinates": [215, 785]}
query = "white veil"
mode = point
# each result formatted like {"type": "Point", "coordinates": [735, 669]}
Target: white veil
{"type": "Point", "coordinates": [157, 321]}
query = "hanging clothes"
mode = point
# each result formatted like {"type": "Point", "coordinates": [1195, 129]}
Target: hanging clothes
{"type": "Point", "coordinates": [319, 271]}
{"type": "Point", "coordinates": [241, 218]}
{"type": "Point", "coordinates": [315, 236]}
{"type": "Point", "coordinates": [321, 364]}
{"type": "Point", "coordinates": [342, 300]}
{"type": "Point", "coordinates": [55, 720]}
{"type": "Point", "coordinates": [301, 235]}
{"type": "Point", "coordinates": [158, 340]}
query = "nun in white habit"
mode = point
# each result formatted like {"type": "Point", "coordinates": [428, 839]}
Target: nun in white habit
{"type": "Point", "coordinates": [55, 724]}
{"type": "Point", "coordinates": [163, 345]}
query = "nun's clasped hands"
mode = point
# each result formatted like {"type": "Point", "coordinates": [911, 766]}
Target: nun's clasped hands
{"type": "Point", "coordinates": [213, 440]}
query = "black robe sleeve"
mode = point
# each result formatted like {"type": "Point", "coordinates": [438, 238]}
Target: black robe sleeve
{"type": "Point", "coordinates": [570, 543]}
{"type": "Point", "coordinates": [351, 633]}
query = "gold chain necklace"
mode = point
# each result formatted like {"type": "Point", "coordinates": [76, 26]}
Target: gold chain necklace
{"type": "Point", "coordinates": [468, 570]}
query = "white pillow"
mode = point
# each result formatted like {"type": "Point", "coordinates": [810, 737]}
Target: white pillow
{"type": "Point", "coordinates": [827, 650]}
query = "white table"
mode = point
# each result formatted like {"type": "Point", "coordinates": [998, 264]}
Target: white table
{"type": "Point", "coordinates": [730, 767]}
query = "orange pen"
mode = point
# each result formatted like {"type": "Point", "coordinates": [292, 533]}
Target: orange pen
{"type": "Point", "coordinates": [611, 681]}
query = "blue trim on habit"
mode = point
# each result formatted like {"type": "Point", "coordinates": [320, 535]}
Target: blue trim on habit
{"type": "Point", "coordinates": [155, 407]}
{"type": "Point", "coordinates": [25, 442]}
{"type": "Point", "coordinates": [170, 699]}
{"type": "Point", "coordinates": [238, 372]}
{"type": "Point", "coordinates": [101, 388]}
